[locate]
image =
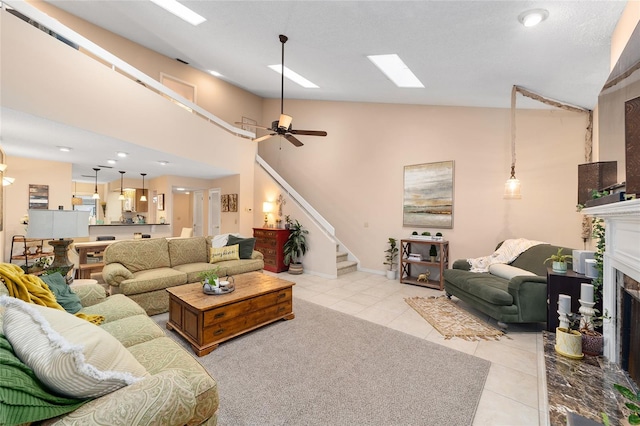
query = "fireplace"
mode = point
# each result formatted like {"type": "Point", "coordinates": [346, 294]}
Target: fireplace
{"type": "Point", "coordinates": [621, 287]}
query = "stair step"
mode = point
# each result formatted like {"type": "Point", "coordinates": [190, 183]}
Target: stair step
{"type": "Point", "coordinates": [341, 257]}
{"type": "Point", "coordinates": [346, 267]}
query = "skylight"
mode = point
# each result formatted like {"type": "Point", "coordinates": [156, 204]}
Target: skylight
{"type": "Point", "coordinates": [396, 70]}
{"type": "Point", "coordinates": [180, 11]}
{"type": "Point", "coordinates": [294, 76]}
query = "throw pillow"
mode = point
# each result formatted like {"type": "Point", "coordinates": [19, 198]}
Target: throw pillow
{"type": "Point", "coordinates": [61, 290]}
{"type": "Point", "coordinates": [246, 245]}
{"type": "Point", "coordinates": [221, 240]}
{"type": "Point", "coordinates": [224, 253]}
{"type": "Point", "coordinates": [23, 399]}
{"type": "Point", "coordinates": [70, 356]}
{"type": "Point", "coordinates": [507, 271]}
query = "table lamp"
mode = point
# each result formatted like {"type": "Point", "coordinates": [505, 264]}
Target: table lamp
{"type": "Point", "coordinates": [267, 208]}
{"type": "Point", "coordinates": [58, 226]}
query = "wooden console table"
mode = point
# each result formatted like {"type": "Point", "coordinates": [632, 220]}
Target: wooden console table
{"type": "Point", "coordinates": [411, 269]}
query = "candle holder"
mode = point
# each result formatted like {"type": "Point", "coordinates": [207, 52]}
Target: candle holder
{"type": "Point", "coordinates": [587, 312]}
{"type": "Point", "coordinates": [563, 320]}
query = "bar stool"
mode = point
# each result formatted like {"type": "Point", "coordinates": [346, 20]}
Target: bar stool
{"type": "Point", "coordinates": [105, 238]}
{"type": "Point", "coordinates": [146, 236]}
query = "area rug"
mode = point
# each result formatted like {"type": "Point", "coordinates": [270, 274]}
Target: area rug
{"type": "Point", "coordinates": [451, 321]}
{"type": "Point", "coordinates": [326, 367]}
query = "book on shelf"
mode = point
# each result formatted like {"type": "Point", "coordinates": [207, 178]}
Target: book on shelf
{"type": "Point", "coordinates": [415, 256]}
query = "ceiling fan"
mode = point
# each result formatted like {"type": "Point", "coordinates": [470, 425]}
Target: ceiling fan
{"type": "Point", "coordinates": [282, 126]}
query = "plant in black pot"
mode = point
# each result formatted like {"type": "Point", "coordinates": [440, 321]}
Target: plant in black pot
{"type": "Point", "coordinates": [295, 248]}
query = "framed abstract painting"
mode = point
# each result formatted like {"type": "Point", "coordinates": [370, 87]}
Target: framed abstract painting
{"type": "Point", "coordinates": [428, 195]}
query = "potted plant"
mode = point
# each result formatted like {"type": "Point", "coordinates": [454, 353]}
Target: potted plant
{"type": "Point", "coordinates": [592, 340]}
{"type": "Point", "coordinates": [287, 221]}
{"type": "Point", "coordinates": [210, 280]}
{"type": "Point", "coordinates": [391, 257]}
{"type": "Point", "coordinates": [568, 340]}
{"type": "Point", "coordinates": [633, 404]}
{"type": "Point", "coordinates": [559, 260]}
{"type": "Point", "coordinates": [295, 248]}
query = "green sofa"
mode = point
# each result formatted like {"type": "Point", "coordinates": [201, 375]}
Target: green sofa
{"type": "Point", "coordinates": [518, 296]}
{"type": "Point", "coordinates": [143, 269]}
{"type": "Point", "coordinates": [177, 389]}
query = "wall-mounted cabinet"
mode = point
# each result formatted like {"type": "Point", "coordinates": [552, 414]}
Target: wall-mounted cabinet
{"type": "Point", "coordinates": [141, 206]}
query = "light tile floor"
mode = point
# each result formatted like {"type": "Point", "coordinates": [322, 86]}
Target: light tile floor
{"type": "Point", "coordinates": [514, 393]}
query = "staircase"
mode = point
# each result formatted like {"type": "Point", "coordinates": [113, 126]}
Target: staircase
{"type": "Point", "coordinates": [343, 264]}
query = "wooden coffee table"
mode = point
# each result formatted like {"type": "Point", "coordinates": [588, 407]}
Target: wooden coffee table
{"type": "Point", "coordinates": [207, 320]}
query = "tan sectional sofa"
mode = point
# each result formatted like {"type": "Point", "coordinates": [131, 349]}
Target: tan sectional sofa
{"type": "Point", "coordinates": [177, 389]}
{"type": "Point", "coordinates": [143, 269]}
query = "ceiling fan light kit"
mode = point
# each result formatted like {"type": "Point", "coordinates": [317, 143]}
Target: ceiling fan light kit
{"type": "Point", "coordinates": [282, 126]}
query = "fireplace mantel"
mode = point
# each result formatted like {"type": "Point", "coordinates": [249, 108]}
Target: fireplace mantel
{"type": "Point", "coordinates": [622, 254]}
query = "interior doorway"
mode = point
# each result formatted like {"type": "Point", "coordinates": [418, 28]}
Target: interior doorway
{"type": "Point", "coordinates": [198, 213]}
{"type": "Point", "coordinates": [214, 212]}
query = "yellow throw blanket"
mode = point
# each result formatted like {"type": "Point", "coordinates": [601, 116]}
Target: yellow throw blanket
{"type": "Point", "coordinates": [32, 289]}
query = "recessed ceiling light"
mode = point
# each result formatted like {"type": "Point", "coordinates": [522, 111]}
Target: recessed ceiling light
{"type": "Point", "coordinates": [180, 11]}
{"type": "Point", "coordinates": [121, 154]}
{"type": "Point", "coordinates": [179, 189]}
{"type": "Point", "coordinates": [163, 163]}
{"type": "Point", "coordinates": [111, 161]}
{"type": "Point", "coordinates": [294, 76]}
{"type": "Point", "coordinates": [396, 70]}
{"type": "Point", "coordinates": [215, 73]}
{"type": "Point", "coordinates": [533, 17]}
{"type": "Point", "coordinates": [64, 148]}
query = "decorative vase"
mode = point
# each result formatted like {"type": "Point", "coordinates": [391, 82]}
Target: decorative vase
{"type": "Point", "coordinates": [391, 275]}
{"type": "Point", "coordinates": [559, 267]}
{"type": "Point", "coordinates": [569, 343]}
{"type": "Point", "coordinates": [295, 268]}
{"type": "Point", "coordinates": [592, 343]}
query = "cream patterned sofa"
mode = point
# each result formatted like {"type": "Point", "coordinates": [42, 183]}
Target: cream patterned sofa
{"type": "Point", "coordinates": [177, 389]}
{"type": "Point", "coordinates": [143, 269]}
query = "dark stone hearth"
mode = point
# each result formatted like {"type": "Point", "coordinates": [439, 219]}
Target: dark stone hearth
{"type": "Point", "coordinates": [582, 386]}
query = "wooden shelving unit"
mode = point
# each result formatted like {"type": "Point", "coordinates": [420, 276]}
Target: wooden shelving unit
{"type": "Point", "coordinates": [411, 269]}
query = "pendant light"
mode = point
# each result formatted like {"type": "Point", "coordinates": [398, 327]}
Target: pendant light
{"type": "Point", "coordinates": [96, 196]}
{"type": "Point", "coordinates": [512, 185]}
{"type": "Point", "coordinates": [121, 197]}
{"type": "Point", "coordinates": [75, 200]}
{"type": "Point", "coordinates": [143, 197]}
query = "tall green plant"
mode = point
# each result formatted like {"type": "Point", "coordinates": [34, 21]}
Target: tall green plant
{"type": "Point", "coordinates": [391, 253]}
{"type": "Point", "coordinates": [598, 236]}
{"type": "Point", "coordinates": [296, 245]}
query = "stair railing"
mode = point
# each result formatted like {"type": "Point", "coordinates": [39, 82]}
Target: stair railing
{"type": "Point", "coordinates": [118, 64]}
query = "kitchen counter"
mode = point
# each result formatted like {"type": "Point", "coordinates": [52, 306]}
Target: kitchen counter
{"type": "Point", "coordinates": [127, 224]}
{"type": "Point", "coordinates": [125, 231]}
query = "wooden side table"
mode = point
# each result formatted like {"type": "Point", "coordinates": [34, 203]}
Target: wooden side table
{"type": "Point", "coordinates": [568, 284]}
{"type": "Point", "coordinates": [270, 242]}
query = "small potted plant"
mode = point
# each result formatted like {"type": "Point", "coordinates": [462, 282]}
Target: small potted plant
{"type": "Point", "coordinates": [295, 247]}
{"type": "Point", "coordinates": [568, 340]}
{"type": "Point", "coordinates": [559, 260]}
{"type": "Point", "coordinates": [287, 221]}
{"type": "Point", "coordinates": [592, 340]}
{"type": "Point", "coordinates": [391, 257]}
{"type": "Point", "coordinates": [433, 252]}
{"type": "Point", "coordinates": [210, 280]}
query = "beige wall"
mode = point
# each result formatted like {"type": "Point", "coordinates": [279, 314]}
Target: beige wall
{"type": "Point", "coordinates": [182, 213]}
{"type": "Point", "coordinates": [354, 176]}
{"type": "Point", "coordinates": [16, 197]}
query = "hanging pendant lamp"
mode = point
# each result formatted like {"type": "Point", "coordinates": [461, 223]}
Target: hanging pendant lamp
{"type": "Point", "coordinates": [121, 197]}
{"type": "Point", "coordinates": [96, 196]}
{"type": "Point", "coordinates": [75, 200]}
{"type": "Point", "coordinates": [512, 185]}
{"type": "Point", "coordinates": [143, 197]}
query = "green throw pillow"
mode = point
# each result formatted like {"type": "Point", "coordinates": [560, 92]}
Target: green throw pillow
{"type": "Point", "coordinates": [64, 296]}
{"type": "Point", "coordinates": [23, 398]}
{"type": "Point", "coordinates": [246, 245]}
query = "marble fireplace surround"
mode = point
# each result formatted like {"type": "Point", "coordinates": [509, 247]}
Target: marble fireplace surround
{"type": "Point", "coordinates": [621, 256]}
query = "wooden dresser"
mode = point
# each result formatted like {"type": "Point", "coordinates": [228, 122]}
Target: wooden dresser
{"type": "Point", "coordinates": [270, 242]}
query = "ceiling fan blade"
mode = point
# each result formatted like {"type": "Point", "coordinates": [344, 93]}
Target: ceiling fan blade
{"type": "Point", "coordinates": [293, 140]}
{"type": "Point", "coordinates": [264, 138]}
{"type": "Point", "coordinates": [257, 126]}
{"type": "Point", "coordinates": [308, 132]}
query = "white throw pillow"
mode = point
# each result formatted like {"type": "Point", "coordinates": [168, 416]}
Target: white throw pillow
{"type": "Point", "coordinates": [69, 355]}
{"type": "Point", "coordinates": [219, 241]}
{"type": "Point", "coordinates": [507, 271]}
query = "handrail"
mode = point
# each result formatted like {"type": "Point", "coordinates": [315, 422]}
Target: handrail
{"type": "Point", "coordinates": [57, 27]}
{"type": "Point", "coordinates": [329, 229]}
